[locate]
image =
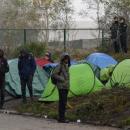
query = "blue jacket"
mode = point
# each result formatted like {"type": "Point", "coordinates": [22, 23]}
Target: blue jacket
{"type": "Point", "coordinates": [26, 66]}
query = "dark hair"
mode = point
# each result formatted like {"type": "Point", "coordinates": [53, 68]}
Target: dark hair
{"type": "Point", "coordinates": [122, 18]}
{"type": "Point", "coordinates": [115, 17]}
{"type": "Point", "coordinates": [2, 52]}
{"type": "Point", "coordinates": [66, 57]}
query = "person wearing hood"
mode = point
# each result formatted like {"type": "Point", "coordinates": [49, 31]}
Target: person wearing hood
{"type": "Point", "coordinates": [61, 74]}
{"type": "Point", "coordinates": [123, 34]}
{"type": "Point", "coordinates": [114, 34]}
{"type": "Point", "coordinates": [48, 57]}
{"type": "Point", "coordinates": [4, 68]}
{"type": "Point", "coordinates": [26, 68]}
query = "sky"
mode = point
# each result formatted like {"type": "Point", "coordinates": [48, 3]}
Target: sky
{"type": "Point", "coordinates": [84, 21]}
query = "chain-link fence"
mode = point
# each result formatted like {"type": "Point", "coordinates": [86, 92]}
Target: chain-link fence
{"type": "Point", "coordinates": [54, 38]}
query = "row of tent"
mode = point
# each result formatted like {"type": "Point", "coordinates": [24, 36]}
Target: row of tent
{"type": "Point", "coordinates": [86, 76]}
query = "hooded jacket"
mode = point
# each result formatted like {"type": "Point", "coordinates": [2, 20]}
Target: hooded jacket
{"type": "Point", "coordinates": [123, 29]}
{"type": "Point", "coordinates": [4, 67]}
{"type": "Point", "coordinates": [26, 66]}
{"type": "Point", "coordinates": [114, 30]}
{"type": "Point", "coordinates": [61, 73]}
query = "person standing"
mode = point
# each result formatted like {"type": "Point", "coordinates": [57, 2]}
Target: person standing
{"type": "Point", "coordinates": [61, 75]}
{"type": "Point", "coordinates": [26, 68]}
{"type": "Point", "coordinates": [123, 34]}
{"type": "Point", "coordinates": [4, 68]}
{"type": "Point", "coordinates": [115, 35]}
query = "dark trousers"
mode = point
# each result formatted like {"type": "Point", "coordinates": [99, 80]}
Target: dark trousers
{"type": "Point", "coordinates": [28, 83]}
{"type": "Point", "coordinates": [123, 41]}
{"type": "Point", "coordinates": [2, 90]}
{"type": "Point", "coordinates": [63, 93]}
{"type": "Point", "coordinates": [116, 46]}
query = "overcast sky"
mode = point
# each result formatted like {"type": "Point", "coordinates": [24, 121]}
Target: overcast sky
{"type": "Point", "coordinates": [78, 6]}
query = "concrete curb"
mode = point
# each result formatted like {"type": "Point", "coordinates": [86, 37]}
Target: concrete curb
{"type": "Point", "coordinates": [12, 112]}
{"type": "Point", "coordinates": [9, 112]}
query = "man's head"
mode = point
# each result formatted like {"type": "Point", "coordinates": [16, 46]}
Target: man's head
{"type": "Point", "coordinates": [65, 58]}
{"type": "Point", "coordinates": [115, 19]}
{"type": "Point", "coordinates": [47, 55]}
{"type": "Point", "coordinates": [122, 20]}
{"type": "Point", "coordinates": [23, 52]}
{"type": "Point", "coordinates": [1, 53]}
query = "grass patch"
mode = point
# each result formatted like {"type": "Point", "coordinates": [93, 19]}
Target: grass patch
{"type": "Point", "coordinates": [106, 107]}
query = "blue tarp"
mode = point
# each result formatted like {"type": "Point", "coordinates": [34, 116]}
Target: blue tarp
{"type": "Point", "coordinates": [48, 67]}
{"type": "Point", "coordinates": [101, 60]}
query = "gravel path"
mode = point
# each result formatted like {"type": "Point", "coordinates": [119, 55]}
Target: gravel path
{"type": "Point", "coordinates": [14, 122]}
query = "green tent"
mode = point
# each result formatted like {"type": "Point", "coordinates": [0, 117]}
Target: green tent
{"type": "Point", "coordinates": [106, 73]}
{"type": "Point", "coordinates": [95, 68]}
{"type": "Point", "coordinates": [82, 82]}
{"type": "Point", "coordinates": [13, 86]}
{"type": "Point", "coordinates": [120, 75]}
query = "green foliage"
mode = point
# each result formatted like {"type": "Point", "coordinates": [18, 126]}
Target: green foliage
{"type": "Point", "coordinates": [37, 49]}
{"type": "Point", "coordinates": [125, 122]}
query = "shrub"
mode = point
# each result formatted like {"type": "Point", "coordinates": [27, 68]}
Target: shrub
{"type": "Point", "coordinates": [37, 49]}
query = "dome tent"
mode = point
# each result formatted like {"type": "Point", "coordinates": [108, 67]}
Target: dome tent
{"type": "Point", "coordinates": [13, 86]}
{"type": "Point", "coordinates": [49, 67]}
{"type": "Point", "coordinates": [95, 68]}
{"type": "Point", "coordinates": [82, 82]}
{"type": "Point", "coordinates": [101, 60]}
{"type": "Point", "coordinates": [120, 75]}
{"type": "Point", "coordinates": [42, 62]}
{"type": "Point", "coordinates": [106, 73]}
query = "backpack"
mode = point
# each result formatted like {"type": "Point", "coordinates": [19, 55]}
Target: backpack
{"type": "Point", "coordinates": [53, 79]}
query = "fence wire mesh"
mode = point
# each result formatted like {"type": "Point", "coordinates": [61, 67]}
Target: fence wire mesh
{"type": "Point", "coordinates": [54, 38]}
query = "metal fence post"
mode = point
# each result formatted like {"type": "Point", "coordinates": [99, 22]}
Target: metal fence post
{"type": "Point", "coordinates": [102, 37]}
{"type": "Point", "coordinates": [64, 40]}
{"type": "Point", "coordinates": [25, 40]}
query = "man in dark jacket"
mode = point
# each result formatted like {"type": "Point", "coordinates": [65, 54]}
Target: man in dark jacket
{"type": "Point", "coordinates": [4, 68]}
{"type": "Point", "coordinates": [26, 67]}
{"type": "Point", "coordinates": [61, 74]}
{"type": "Point", "coordinates": [115, 35]}
{"type": "Point", "coordinates": [123, 34]}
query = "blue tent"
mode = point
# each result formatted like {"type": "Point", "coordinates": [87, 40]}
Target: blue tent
{"type": "Point", "coordinates": [48, 67]}
{"type": "Point", "coordinates": [101, 60]}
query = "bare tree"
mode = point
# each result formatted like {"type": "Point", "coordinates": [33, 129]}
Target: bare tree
{"type": "Point", "coordinates": [54, 14]}
{"type": "Point", "coordinates": [94, 5]}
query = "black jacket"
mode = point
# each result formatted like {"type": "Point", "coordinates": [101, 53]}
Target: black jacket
{"type": "Point", "coordinates": [123, 29]}
{"type": "Point", "coordinates": [4, 67]}
{"type": "Point", "coordinates": [114, 30]}
{"type": "Point", "coordinates": [26, 66]}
